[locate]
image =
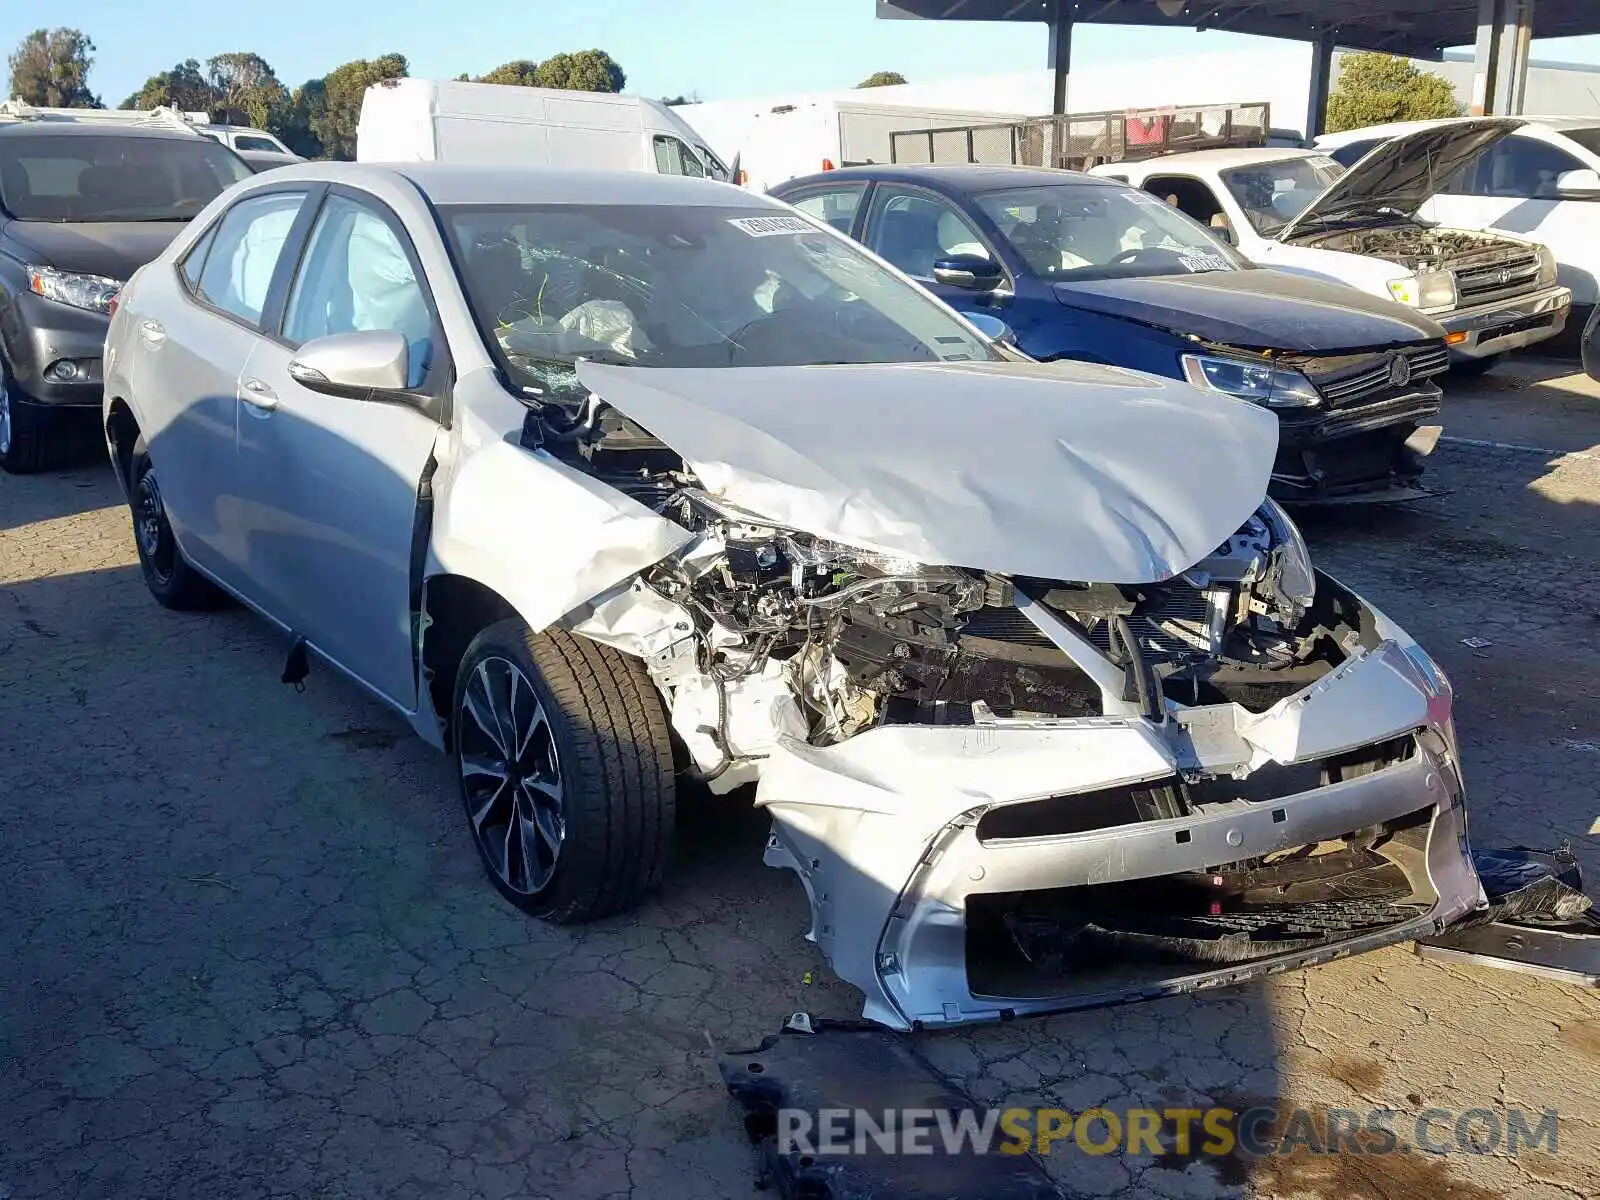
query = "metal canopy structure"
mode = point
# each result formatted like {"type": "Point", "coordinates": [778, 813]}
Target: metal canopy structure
{"type": "Point", "coordinates": [1418, 28]}
{"type": "Point", "coordinates": [1501, 30]}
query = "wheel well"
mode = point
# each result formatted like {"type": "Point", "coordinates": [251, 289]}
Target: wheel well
{"type": "Point", "coordinates": [458, 609]}
{"type": "Point", "coordinates": [122, 431]}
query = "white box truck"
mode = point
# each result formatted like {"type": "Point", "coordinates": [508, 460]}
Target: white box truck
{"type": "Point", "coordinates": [774, 143]}
{"type": "Point", "coordinates": [429, 120]}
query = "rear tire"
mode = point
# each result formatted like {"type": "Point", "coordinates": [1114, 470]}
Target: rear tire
{"type": "Point", "coordinates": [22, 430]}
{"type": "Point", "coordinates": [565, 768]}
{"type": "Point", "coordinates": [170, 578]}
{"type": "Point", "coordinates": [1471, 368]}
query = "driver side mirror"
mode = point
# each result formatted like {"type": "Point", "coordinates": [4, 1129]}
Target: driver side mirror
{"type": "Point", "coordinates": [1578, 185]}
{"type": "Point", "coordinates": [971, 272]}
{"type": "Point", "coordinates": [1224, 233]}
{"type": "Point", "coordinates": [372, 364]}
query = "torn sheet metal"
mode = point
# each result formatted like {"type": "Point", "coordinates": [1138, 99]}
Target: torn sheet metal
{"type": "Point", "coordinates": [904, 474]}
{"type": "Point", "coordinates": [811, 1067]}
{"type": "Point", "coordinates": [578, 537]}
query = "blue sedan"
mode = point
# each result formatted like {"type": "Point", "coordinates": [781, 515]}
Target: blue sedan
{"type": "Point", "coordinates": [1088, 268]}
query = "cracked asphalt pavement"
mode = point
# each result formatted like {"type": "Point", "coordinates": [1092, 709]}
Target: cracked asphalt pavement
{"type": "Point", "coordinates": [246, 949]}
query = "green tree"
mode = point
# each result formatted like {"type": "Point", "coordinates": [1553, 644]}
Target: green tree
{"type": "Point", "coordinates": [519, 72]}
{"type": "Point", "coordinates": [680, 98]}
{"type": "Point", "coordinates": [183, 88]}
{"type": "Point", "coordinates": [882, 79]}
{"type": "Point", "coordinates": [338, 107]}
{"type": "Point", "coordinates": [585, 71]}
{"type": "Point", "coordinates": [307, 103]}
{"type": "Point", "coordinates": [50, 68]}
{"type": "Point", "coordinates": [247, 90]}
{"type": "Point", "coordinates": [1377, 88]}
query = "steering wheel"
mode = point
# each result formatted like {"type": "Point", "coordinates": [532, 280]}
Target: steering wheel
{"type": "Point", "coordinates": [1127, 256]}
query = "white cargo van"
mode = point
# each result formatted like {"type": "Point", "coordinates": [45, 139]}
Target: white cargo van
{"type": "Point", "coordinates": [428, 120]}
{"type": "Point", "coordinates": [775, 143]}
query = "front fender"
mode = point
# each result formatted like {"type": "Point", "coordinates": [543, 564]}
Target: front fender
{"type": "Point", "coordinates": [542, 534]}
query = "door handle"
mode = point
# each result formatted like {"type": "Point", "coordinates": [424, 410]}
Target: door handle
{"type": "Point", "coordinates": [152, 332]}
{"type": "Point", "coordinates": [258, 395]}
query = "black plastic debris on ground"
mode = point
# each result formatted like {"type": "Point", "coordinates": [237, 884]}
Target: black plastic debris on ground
{"type": "Point", "coordinates": [856, 1067]}
{"type": "Point", "coordinates": [1539, 920]}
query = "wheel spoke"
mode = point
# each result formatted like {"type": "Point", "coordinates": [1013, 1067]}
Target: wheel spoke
{"type": "Point", "coordinates": [486, 809]}
{"type": "Point", "coordinates": [486, 766]}
{"type": "Point", "coordinates": [478, 705]}
{"type": "Point", "coordinates": [547, 824]}
{"type": "Point", "coordinates": [545, 793]}
{"type": "Point", "coordinates": [539, 851]}
{"type": "Point", "coordinates": [513, 855]}
{"type": "Point", "coordinates": [537, 724]}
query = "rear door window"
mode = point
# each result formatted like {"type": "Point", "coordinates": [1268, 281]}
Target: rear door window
{"type": "Point", "coordinates": [245, 251]}
{"type": "Point", "coordinates": [837, 205]}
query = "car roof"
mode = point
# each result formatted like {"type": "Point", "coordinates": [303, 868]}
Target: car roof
{"type": "Point", "coordinates": [966, 177]}
{"type": "Point", "coordinates": [456, 183]}
{"type": "Point", "coordinates": [87, 129]}
{"type": "Point", "coordinates": [1221, 160]}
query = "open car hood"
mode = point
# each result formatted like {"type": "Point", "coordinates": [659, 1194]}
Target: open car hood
{"type": "Point", "coordinates": [1403, 172]}
{"type": "Point", "coordinates": [1057, 470]}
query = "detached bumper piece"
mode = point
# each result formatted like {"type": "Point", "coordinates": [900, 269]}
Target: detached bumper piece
{"type": "Point", "coordinates": [1539, 920]}
{"type": "Point", "coordinates": [807, 1070]}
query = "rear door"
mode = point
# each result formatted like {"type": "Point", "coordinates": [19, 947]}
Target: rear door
{"type": "Point", "coordinates": [194, 333]}
{"type": "Point", "coordinates": [332, 484]}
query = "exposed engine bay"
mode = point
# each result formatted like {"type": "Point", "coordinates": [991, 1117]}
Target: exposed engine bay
{"type": "Point", "coordinates": [1419, 247]}
{"type": "Point", "coordinates": [853, 639]}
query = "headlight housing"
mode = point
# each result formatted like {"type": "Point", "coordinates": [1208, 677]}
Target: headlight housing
{"type": "Point", "coordinates": [92, 292]}
{"type": "Point", "coordinates": [1427, 291]}
{"type": "Point", "coordinates": [1296, 578]}
{"type": "Point", "coordinates": [1250, 380]}
{"type": "Point", "coordinates": [1547, 265]}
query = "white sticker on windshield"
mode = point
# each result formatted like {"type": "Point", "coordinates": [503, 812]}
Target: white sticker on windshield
{"type": "Point", "coordinates": [772, 226]}
{"type": "Point", "coordinates": [1203, 262]}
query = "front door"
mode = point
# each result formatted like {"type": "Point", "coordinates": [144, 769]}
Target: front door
{"type": "Point", "coordinates": [334, 482]}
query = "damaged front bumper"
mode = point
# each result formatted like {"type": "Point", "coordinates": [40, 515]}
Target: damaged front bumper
{"type": "Point", "coordinates": [1507, 325]}
{"type": "Point", "coordinates": [929, 852]}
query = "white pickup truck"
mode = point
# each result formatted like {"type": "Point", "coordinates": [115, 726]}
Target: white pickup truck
{"type": "Point", "coordinates": [1301, 211]}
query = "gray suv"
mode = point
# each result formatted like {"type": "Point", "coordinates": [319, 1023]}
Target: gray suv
{"type": "Point", "coordinates": [82, 206]}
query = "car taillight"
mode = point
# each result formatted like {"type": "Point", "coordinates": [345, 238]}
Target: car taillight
{"type": "Point", "coordinates": [827, 164]}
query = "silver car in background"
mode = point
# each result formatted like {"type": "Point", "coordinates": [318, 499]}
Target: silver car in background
{"type": "Point", "coordinates": [601, 480]}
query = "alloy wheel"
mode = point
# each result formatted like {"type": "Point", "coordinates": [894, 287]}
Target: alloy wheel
{"type": "Point", "coordinates": [511, 775]}
{"type": "Point", "coordinates": [151, 529]}
{"type": "Point", "coordinates": [5, 415]}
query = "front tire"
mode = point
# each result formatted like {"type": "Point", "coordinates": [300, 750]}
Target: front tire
{"type": "Point", "coordinates": [566, 771]}
{"type": "Point", "coordinates": [171, 580]}
{"type": "Point", "coordinates": [22, 430]}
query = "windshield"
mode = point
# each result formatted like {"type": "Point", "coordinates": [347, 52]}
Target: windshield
{"type": "Point", "coordinates": [78, 177]}
{"type": "Point", "coordinates": [1274, 193]}
{"type": "Point", "coordinates": [1588, 138]}
{"type": "Point", "coordinates": [1091, 231]}
{"type": "Point", "coordinates": [670, 286]}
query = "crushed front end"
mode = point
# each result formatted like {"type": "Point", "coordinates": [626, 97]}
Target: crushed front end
{"type": "Point", "coordinates": [1009, 794]}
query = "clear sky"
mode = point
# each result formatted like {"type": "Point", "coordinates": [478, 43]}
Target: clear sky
{"type": "Point", "coordinates": [718, 49]}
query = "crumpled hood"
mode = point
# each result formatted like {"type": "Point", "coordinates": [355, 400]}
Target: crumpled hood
{"type": "Point", "coordinates": [1258, 309]}
{"type": "Point", "coordinates": [1403, 172]}
{"type": "Point", "coordinates": [1058, 470]}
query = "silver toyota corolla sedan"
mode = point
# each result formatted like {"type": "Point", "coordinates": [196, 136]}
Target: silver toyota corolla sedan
{"type": "Point", "coordinates": [607, 480]}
